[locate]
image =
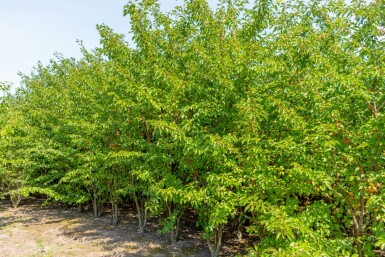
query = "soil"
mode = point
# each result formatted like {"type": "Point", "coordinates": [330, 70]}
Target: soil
{"type": "Point", "coordinates": [56, 230]}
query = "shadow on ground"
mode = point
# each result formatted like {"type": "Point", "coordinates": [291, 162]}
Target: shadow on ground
{"type": "Point", "coordinates": [56, 230]}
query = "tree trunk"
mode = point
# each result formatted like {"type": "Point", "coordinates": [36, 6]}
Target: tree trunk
{"type": "Point", "coordinates": [358, 221]}
{"type": "Point", "coordinates": [177, 225]}
{"type": "Point", "coordinates": [239, 231]}
{"type": "Point", "coordinates": [216, 243]}
{"type": "Point", "coordinates": [142, 214]}
{"type": "Point", "coordinates": [174, 233]}
{"type": "Point", "coordinates": [97, 206]}
{"type": "Point", "coordinates": [114, 214]}
{"type": "Point", "coordinates": [239, 223]}
{"type": "Point", "coordinates": [80, 208]}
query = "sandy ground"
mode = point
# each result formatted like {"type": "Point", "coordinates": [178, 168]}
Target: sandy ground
{"type": "Point", "coordinates": [32, 230]}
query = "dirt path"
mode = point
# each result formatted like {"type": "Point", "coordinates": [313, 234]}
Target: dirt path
{"type": "Point", "coordinates": [32, 230]}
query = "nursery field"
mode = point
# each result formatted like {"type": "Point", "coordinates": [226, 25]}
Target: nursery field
{"type": "Point", "coordinates": [205, 127]}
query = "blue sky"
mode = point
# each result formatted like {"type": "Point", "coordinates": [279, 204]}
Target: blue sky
{"type": "Point", "coordinates": [33, 30]}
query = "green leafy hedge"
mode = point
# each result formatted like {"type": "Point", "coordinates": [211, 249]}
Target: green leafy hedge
{"type": "Point", "coordinates": [266, 114]}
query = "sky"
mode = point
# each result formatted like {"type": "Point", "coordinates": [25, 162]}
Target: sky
{"type": "Point", "coordinates": [33, 30]}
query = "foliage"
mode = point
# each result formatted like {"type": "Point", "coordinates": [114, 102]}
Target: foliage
{"type": "Point", "coordinates": [269, 113]}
